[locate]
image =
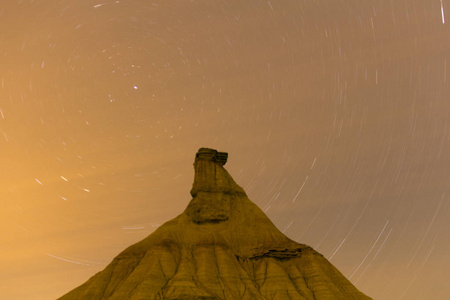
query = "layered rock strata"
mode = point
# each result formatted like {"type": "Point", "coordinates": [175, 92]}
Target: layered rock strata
{"type": "Point", "coordinates": [221, 247]}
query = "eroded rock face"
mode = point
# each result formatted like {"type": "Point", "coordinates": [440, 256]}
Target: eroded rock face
{"type": "Point", "coordinates": [210, 175]}
{"type": "Point", "coordinates": [221, 247]}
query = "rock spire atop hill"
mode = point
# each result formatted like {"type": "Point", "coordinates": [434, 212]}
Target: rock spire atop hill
{"type": "Point", "coordinates": [210, 175]}
{"type": "Point", "coordinates": [221, 247]}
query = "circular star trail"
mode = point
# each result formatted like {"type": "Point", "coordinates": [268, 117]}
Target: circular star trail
{"type": "Point", "coordinates": [335, 115]}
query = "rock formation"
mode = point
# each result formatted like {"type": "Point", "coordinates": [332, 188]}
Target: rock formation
{"type": "Point", "coordinates": [221, 247]}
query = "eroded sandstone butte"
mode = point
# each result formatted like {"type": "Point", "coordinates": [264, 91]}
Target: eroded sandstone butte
{"type": "Point", "coordinates": [221, 247]}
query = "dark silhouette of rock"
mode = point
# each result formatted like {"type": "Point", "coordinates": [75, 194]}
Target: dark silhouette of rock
{"type": "Point", "coordinates": [221, 247]}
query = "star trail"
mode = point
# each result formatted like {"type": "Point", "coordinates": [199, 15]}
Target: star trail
{"type": "Point", "coordinates": [335, 116]}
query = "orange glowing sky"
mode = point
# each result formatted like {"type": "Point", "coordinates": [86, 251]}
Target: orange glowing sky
{"type": "Point", "coordinates": [335, 115]}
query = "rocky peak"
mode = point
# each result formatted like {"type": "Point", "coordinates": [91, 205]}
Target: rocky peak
{"type": "Point", "coordinates": [210, 175]}
{"type": "Point", "coordinates": [221, 247]}
{"type": "Point", "coordinates": [212, 188]}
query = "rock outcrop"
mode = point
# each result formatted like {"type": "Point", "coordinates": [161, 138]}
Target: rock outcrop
{"type": "Point", "coordinates": [221, 247]}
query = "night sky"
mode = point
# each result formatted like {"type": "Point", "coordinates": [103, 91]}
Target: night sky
{"type": "Point", "coordinates": [335, 115]}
